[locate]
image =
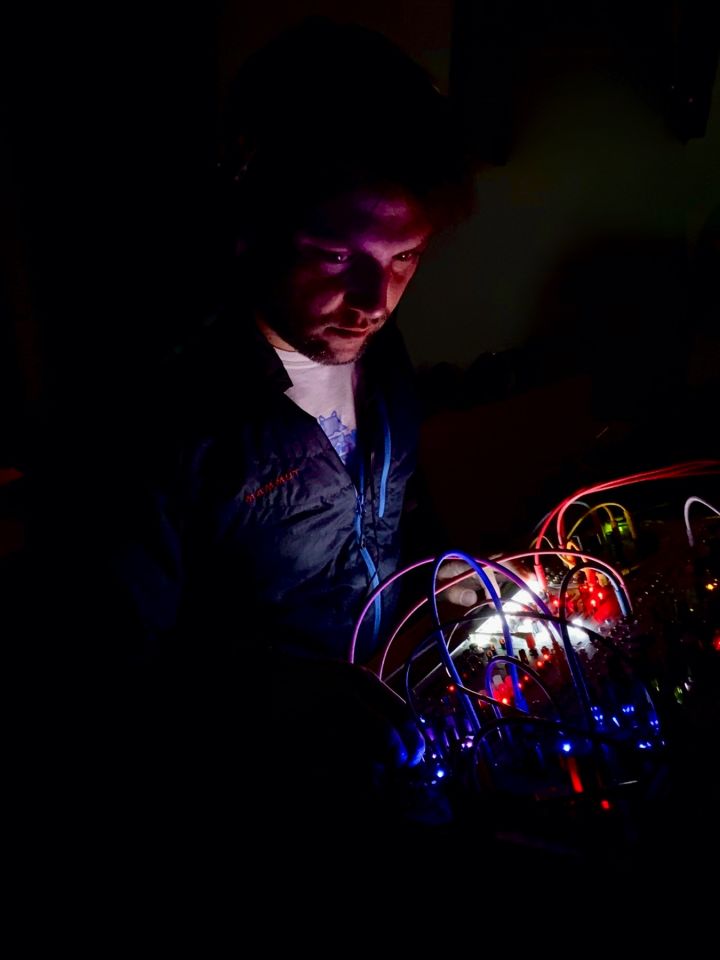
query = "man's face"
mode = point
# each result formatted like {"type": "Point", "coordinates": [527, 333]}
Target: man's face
{"type": "Point", "coordinates": [349, 267]}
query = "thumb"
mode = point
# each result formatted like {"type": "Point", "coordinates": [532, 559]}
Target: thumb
{"type": "Point", "coordinates": [461, 596]}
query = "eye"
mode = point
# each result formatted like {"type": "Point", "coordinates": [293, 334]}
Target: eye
{"type": "Point", "coordinates": [410, 256]}
{"type": "Point", "coordinates": [330, 256]}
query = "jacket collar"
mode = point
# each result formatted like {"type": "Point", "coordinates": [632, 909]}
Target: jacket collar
{"type": "Point", "coordinates": [261, 363]}
{"type": "Point", "coordinates": [236, 364]}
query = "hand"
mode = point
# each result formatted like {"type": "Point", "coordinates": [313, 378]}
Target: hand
{"type": "Point", "coordinates": [348, 756]}
{"type": "Point", "coordinates": [344, 714]}
{"type": "Point", "coordinates": [470, 591]}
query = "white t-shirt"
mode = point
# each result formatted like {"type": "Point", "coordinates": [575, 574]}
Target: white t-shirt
{"type": "Point", "coordinates": [326, 392]}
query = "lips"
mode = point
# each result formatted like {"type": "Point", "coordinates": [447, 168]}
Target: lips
{"type": "Point", "coordinates": [351, 333]}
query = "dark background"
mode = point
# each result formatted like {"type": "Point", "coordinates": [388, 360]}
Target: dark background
{"type": "Point", "coordinates": [577, 302]}
{"type": "Point", "coordinates": [567, 333]}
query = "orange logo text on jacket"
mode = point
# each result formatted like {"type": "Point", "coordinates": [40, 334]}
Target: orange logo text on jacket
{"type": "Point", "coordinates": [271, 485]}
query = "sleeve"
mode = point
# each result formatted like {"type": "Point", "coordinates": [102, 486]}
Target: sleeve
{"type": "Point", "coordinates": [104, 570]}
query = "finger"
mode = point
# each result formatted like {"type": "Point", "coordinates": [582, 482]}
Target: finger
{"type": "Point", "coordinates": [396, 748]}
{"type": "Point", "coordinates": [453, 568]}
{"type": "Point", "coordinates": [404, 745]}
{"type": "Point", "coordinates": [414, 743]}
{"type": "Point", "coordinates": [386, 744]}
{"type": "Point", "coordinates": [405, 741]}
{"type": "Point", "coordinates": [461, 596]}
{"type": "Point", "coordinates": [516, 567]}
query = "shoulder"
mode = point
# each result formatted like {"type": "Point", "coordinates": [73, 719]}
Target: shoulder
{"type": "Point", "coordinates": [214, 378]}
{"type": "Point", "coordinates": [387, 358]}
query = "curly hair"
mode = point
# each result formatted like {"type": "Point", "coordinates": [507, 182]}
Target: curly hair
{"type": "Point", "coordinates": [326, 107]}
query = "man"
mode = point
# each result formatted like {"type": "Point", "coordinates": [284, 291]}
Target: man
{"type": "Point", "coordinates": [274, 479]}
{"type": "Point", "coordinates": [346, 162]}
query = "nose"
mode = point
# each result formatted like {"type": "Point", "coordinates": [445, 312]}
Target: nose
{"type": "Point", "coordinates": [367, 290]}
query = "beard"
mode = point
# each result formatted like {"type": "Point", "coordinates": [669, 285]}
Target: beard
{"type": "Point", "coordinates": [322, 349]}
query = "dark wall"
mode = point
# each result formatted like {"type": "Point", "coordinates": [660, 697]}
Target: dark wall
{"type": "Point", "coordinates": [111, 122]}
{"type": "Point", "coordinates": [107, 235]}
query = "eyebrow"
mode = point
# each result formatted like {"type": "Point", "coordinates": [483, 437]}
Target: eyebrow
{"type": "Point", "coordinates": [418, 246]}
{"type": "Point", "coordinates": [318, 240]}
{"type": "Point", "coordinates": [331, 243]}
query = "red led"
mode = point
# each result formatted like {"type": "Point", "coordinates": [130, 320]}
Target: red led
{"type": "Point", "coordinates": [451, 688]}
{"type": "Point", "coordinates": [716, 640]}
{"type": "Point", "coordinates": [605, 804]}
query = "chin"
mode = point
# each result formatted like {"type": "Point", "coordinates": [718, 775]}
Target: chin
{"type": "Point", "coordinates": [333, 354]}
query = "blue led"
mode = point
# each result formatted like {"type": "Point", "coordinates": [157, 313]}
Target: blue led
{"type": "Point", "coordinates": [566, 747]}
{"type": "Point", "coordinates": [628, 708]}
{"type": "Point", "coordinates": [439, 773]}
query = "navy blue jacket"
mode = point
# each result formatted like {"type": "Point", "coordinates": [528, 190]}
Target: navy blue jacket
{"type": "Point", "coordinates": [249, 529]}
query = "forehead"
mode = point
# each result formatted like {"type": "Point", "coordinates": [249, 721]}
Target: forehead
{"type": "Point", "coordinates": [369, 214]}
